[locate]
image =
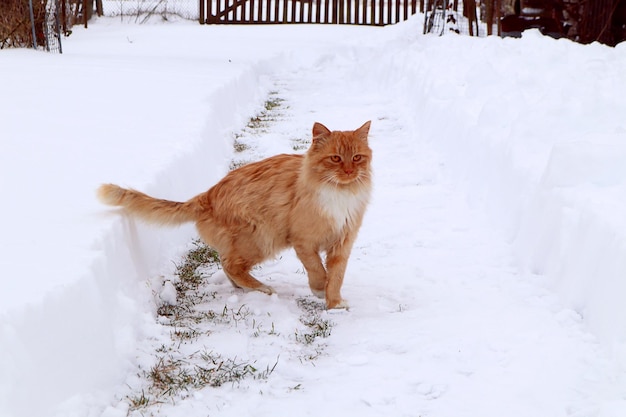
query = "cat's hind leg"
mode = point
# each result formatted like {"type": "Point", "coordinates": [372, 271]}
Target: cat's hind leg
{"type": "Point", "coordinates": [237, 269]}
{"type": "Point", "coordinates": [237, 256]}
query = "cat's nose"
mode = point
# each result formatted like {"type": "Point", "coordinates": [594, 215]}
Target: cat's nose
{"type": "Point", "coordinates": [348, 171]}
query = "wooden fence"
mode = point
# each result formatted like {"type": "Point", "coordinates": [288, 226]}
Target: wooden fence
{"type": "Point", "coordinates": [354, 12]}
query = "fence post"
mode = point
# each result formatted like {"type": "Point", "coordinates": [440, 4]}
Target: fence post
{"type": "Point", "coordinates": [85, 13]}
{"type": "Point", "coordinates": [65, 16]}
{"type": "Point", "coordinates": [57, 24]}
{"type": "Point", "coordinates": [32, 23]}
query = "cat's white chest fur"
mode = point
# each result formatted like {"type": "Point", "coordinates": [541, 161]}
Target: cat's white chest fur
{"type": "Point", "coordinates": [342, 206]}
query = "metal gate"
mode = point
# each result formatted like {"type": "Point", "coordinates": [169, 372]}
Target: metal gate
{"type": "Point", "coordinates": [352, 12]}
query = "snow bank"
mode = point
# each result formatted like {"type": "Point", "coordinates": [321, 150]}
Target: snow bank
{"type": "Point", "coordinates": [80, 336]}
{"type": "Point", "coordinates": [532, 135]}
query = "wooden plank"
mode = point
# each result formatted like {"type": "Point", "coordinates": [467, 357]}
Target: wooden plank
{"type": "Point", "coordinates": [349, 13]}
{"type": "Point", "coordinates": [318, 11]}
{"type": "Point", "coordinates": [285, 11]}
{"type": "Point", "coordinates": [217, 10]}
{"type": "Point", "coordinates": [364, 10]}
{"type": "Point", "coordinates": [326, 11]}
{"type": "Point", "coordinates": [276, 18]}
{"type": "Point", "coordinates": [340, 11]}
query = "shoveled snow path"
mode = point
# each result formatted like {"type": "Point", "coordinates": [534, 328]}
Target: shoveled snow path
{"type": "Point", "coordinates": [442, 323]}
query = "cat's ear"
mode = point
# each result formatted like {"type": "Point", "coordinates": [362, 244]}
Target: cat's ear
{"type": "Point", "coordinates": [320, 132]}
{"type": "Point", "coordinates": [363, 131]}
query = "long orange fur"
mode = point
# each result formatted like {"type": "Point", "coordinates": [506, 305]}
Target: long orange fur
{"type": "Point", "coordinates": [313, 202]}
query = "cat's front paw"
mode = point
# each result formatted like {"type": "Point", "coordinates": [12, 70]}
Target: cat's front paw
{"type": "Point", "coordinates": [340, 304]}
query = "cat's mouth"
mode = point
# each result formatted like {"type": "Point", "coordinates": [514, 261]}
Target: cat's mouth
{"type": "Point", "coordinates": [348, 179]}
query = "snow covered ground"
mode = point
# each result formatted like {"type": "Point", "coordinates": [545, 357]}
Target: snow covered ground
{"type": "Point", "coordinates": [488, 277]}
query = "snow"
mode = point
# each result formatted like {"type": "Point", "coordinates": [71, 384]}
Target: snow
{"type": "Point", "coordinates": [488, 277]}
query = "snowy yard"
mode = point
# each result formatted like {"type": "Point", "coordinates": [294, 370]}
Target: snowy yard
{"type": "Point", "coordinates": [488, 278]}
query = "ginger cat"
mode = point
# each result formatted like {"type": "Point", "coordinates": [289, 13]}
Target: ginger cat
{"type": "Point", "coordinates": [313, 202]}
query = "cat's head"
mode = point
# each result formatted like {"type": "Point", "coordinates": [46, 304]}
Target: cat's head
{"type": "Point", "coordinates": [340, 158]}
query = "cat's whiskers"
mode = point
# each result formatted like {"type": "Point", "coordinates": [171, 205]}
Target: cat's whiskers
{"type": "Point", "coordinates": [330, 179]}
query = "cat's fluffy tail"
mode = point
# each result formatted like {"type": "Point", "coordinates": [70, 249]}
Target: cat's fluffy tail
{"type": "Point", "coordinates": [152, 210]}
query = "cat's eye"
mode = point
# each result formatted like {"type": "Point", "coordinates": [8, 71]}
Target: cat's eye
{"type": "Point", "coordinates": [357, 158]}
{"type": "Point", "coordinates": [335, 158]}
